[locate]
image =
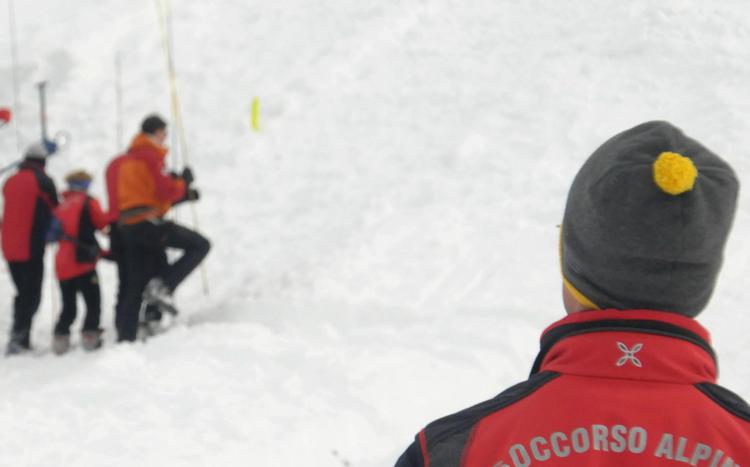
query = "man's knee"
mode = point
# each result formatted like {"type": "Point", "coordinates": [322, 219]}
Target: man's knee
{"type": "Point", "coordinates": [204, 245]}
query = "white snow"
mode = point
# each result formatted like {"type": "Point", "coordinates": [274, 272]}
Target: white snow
{"type": "Point", "coordinates": [385, 248]}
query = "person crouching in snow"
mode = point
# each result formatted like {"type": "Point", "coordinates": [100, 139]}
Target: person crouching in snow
{"type": "Point", "coordinates": [76, 219]}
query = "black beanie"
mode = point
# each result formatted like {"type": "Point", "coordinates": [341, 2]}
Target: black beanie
{"type": "Point", "coordinates": [152, 124]}
{"type": "Point", "coordinates": [646, 221]}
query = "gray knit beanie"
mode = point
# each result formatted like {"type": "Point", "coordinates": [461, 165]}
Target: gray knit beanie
{"type": "Point", "coordinates": [646, 221]}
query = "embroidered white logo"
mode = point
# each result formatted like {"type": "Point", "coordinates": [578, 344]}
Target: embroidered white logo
{"type": "Point", "coordinates": [629, 354]}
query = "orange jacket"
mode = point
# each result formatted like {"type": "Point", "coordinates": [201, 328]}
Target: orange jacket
{"type": "Point", "coordinates": [142, 183]}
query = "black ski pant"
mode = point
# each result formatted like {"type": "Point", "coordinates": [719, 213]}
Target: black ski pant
{"type": "Point", "coordinates": [141, 257]}
{"type": "Point", "coordinates": [117, 252]}
{"type": "Point", "coordinates": [144, 257]}
{"type": "Point", "coordinates": [88, 285]}
{"type": "Point", "coordinates": [194, 246]}
{"type": "Point", "coordinates": [27, 277]}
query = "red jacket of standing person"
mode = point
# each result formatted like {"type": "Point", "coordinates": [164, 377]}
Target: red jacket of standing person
{"type": "Point", "coordinates": [79, 216]}
{"type": "Point", "coordinates": [30, 196]}
{"type": "Point", "coordinates": [111, 176]}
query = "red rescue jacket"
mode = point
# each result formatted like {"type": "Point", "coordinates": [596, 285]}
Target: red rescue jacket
{"type": "Point", "coordinates": [30, 196]}
{"type": "Point", "coordinates": [609, 388]}
{"type": "Point", "coordinates": [80, 216]}
{"type": "Point", "coordinates": [111, 176]}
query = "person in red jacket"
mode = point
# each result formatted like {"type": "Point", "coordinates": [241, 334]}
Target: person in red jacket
{"type": "Point", "coordinates": [145, 192]}
{"type": "Point", "coordinates": [628, 377]}
{"type": "Point", "coordinates": [30, 196]}
{"type": "Point", "coordinates": [76, 220]}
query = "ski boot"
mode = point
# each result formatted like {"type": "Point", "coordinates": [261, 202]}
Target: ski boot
{"type": "Point", "coordinates": [60, 343]}
{"type": "Point", "coordinates": [18, 343]}
{"type": "Point", "coordinates": [91, 340]}
{"type": "Point", "coordinates": [157, 293]}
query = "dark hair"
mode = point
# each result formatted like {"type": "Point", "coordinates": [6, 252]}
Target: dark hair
{"type": "Point", "coordinates": [152, 124]}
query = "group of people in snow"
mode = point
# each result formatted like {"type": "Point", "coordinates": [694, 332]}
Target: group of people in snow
{"type": "Point", "coordinates": [140, 192]}
{"type": "Point", "coordinates": [628, 377]}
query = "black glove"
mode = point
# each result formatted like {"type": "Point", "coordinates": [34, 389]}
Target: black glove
{"type": "Point", "coordinates": [187, 175]}
{"type": "Point", "coordinates": [192, 194]}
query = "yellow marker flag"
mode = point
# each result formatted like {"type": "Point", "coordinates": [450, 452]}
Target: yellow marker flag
{"type": "Point", "coordinates": [255, 114]}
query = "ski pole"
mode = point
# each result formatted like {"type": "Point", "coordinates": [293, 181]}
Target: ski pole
{"type": "Point", "coordinates": [61, 138]}
{"type": "Point", "coordinates": [43, 109]}
{"type": "Point", "coordinates": [9, 167]}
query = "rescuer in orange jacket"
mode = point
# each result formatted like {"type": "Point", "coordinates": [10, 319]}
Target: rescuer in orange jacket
{"type": "Point", "coordinates": [76, 220]}
{"type": "Point", "coordinates": [116, 252]}
{"type": "Point", "coordinates": [144, 189]}
{"type": "Point", "coordinates": [145, 192]}
{"type": "Point", "coordinates": [628, 377]}
{"type": "Point", "coordinates": [30, 196]}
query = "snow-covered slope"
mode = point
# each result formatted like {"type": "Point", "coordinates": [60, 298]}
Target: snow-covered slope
{"type": "Point", "coordinates": [385, 248]}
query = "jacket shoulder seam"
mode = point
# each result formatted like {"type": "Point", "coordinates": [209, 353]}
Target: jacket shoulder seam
{"type": "Point", "coordinates": [727, 399]}
{"type": "Point", "coordinates": [466, 419]}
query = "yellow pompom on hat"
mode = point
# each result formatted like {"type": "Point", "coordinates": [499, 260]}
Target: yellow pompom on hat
{"type": "Point", "coordinates": [646, 221]}
{"type": "Point", "coordinates": [674, 173]}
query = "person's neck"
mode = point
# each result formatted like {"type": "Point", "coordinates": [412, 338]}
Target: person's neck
{"type": "Point", "coordinates": [154, 140]}
{"type": "Point", "coordinates": [34, 161]}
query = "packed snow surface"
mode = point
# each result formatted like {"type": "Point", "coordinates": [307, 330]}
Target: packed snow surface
{"type": "Point", "coordinates": [385, 247]}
